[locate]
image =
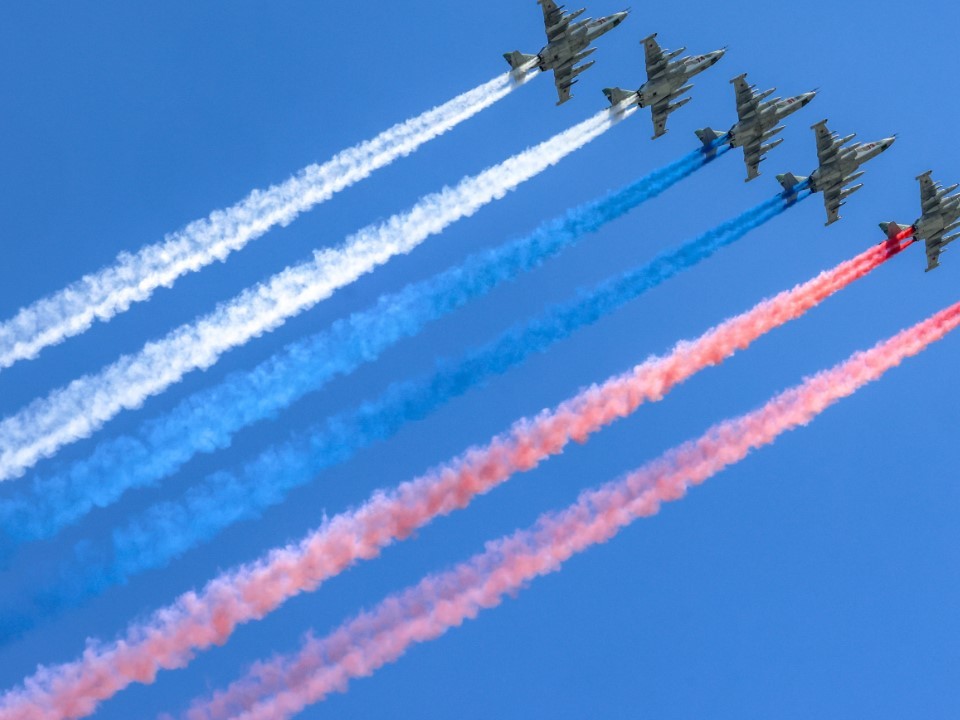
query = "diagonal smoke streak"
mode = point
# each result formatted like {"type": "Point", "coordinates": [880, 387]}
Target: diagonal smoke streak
{"type": "Point", "coordinates": [169, 529]}
{"type": "Point", "coordinates": [283, 686]}
{"type": "Point", "coordinates": [199, 620]}
{"type": "Point", "coordinates": [133, 278]}
{"type": "Point", "coordinates": [82, 407]}
{"type": "Point", "coordinates": [207, 420]}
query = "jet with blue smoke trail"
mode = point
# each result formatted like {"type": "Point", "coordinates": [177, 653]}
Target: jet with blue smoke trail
{"type": "Point", "coordinates": [758, 120]}
{"type": "Point", "coordinates": [208, 420]}
{"type": "Point", "coordinates": [133, 277]}
{"type": "Point", "coordinates": [839, 166]}
{"type": "Point", "coordinates": [169, 529]}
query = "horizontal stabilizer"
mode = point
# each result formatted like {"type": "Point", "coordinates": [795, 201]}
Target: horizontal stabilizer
{"type": "Point", "coordinates": [519, 61]}
{"type": "Point", "coordinates": [893, 230]}
{"type": "Point", "coordinates": [708, 136]}
{"type": "Point", "coordinates": [617, 95]}
{"type": "Point", "coordinates": [790, 181]}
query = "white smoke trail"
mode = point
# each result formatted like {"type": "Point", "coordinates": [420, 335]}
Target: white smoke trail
{"type": "Point", "coordinates": [77, 410]}
{"type": "Point", "coordinates": [133, 278]}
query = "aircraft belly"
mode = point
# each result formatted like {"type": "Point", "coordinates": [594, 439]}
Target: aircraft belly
{"type": "Point", "coordinates": [561, 52]}
{"type": "Point", "coordinates": [929, 227]}
{"type": "Point", "coordinates": [820, 180]}
{"type": "Point", "coordinates": [744, 133]}
{"type": "Point", "coordinates": [656, 90]}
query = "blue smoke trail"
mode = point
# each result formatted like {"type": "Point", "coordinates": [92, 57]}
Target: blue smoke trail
{"type": "Point", "coordinates": [207, 421]}
{"type": "Point", "coordinates": [169, 529]}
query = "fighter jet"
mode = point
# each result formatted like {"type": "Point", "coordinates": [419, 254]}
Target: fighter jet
{"type": "Point", "coordinates": [941, 215]}
{"type": "Point", "coordinates": [667, 80]}
{"type": "Point", "coordinates": [568, 43]}
{"type": "Point", "coordinates": [759, 121]}
{"type": "Point", "coordinates": [839, 166]}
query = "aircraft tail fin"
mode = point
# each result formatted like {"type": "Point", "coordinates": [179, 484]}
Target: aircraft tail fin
{"type": "Point", "coordinates": [892, 230]}
{"type": "Point", "coordinates": [616, 95]}
{"type": "Point", "coordinates": [790, 181]}
{"type": "Point", "coordinates": [519, 61]}
{"type": "Point", "coordinates": [708, 136]}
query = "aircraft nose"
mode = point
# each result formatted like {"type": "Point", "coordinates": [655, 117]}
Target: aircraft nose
{"type": "Point", "coordinates": [620, 17]}
{"type": "Point", "coordinates": [808, 97]}
{"type": "Point", "coordinates": [888, 142]}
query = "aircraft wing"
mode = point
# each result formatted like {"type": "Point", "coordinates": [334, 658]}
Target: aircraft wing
{"type": "Point", "coordinates": [563, 79]}
{"type": "Point", "coordinates": [831, 201]}
{"type": "Point", "coordinates": [752, 156]}
{"type": "Point", "coordinates": [552, 16]}
{"type": "Point", "coordinates": [661, 111]}
{"type": "Point", "coordinates": [934, 248]}
{"type": "Point", "coordinates": [656, 60]}
{"type": "Point", "coordinates": [930, 199]}
{"type": "Point", "coordinates": [747, 104]}
{"type": "Point", "coordinates": [828, 144]}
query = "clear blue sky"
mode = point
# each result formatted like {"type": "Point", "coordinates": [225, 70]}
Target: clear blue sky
{"type": "Point", "coordinates": [819, 578]}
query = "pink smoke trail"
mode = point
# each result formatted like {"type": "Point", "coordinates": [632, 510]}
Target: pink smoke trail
{"type": "Point", "coordinates": [285, 685]}
{"type": "Point", "coordinates": [197, 621]}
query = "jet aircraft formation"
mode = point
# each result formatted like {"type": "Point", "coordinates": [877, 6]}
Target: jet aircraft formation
{"type": "Point", "coordinates": [569, 41]}
{"type": "Point", "coordinates": [303, 367]}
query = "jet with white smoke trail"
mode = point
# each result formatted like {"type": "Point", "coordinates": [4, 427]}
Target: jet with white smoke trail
{"type": "Point", "coordinates": [134, 277]}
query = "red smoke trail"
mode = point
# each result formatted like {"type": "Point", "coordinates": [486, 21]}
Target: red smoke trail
{"type": "Point", "coordinates": [284, 686]}
{"type": "Point", "coordinates": [197, 621]}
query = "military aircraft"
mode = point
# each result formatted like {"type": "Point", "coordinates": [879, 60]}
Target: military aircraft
{"type": "Point", "coordinates": [667, 80]}
{"type": "Point", "coordinates": [568, 43]}
{"type": "Point", "coordinates": [759, 121]}
{"type": "Point", "coordinates": [941, 215]}
{"type": "Point", "coordinates": [839, 166]}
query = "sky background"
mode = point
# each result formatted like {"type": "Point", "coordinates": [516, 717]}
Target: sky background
{"type": "Point", "coordinates": [818, 578]}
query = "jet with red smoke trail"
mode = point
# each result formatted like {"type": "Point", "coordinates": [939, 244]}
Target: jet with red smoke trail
{"type": "Point", "coordinates": [839, 166]}
{"type": "Point", "coordinates": [667, 81]}
{"type": "Point", "coordinates": [568, 43]}
{"type": "Point", "coordinates": [758, 120]}
{"type": "Point", "coordinates": [941, 216]}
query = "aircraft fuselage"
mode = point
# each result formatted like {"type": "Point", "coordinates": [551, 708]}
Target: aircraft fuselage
{"type": "Point", "coordinates": [569, 47]}
{"type": "Point", "coordinates": [845, 166]}
{"type": "Point", "coordinates": [759, 124]}
{"type": "Point", "coordinates": [940, 221]}
{"type": "Point", "coordinates": [674, 77]}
